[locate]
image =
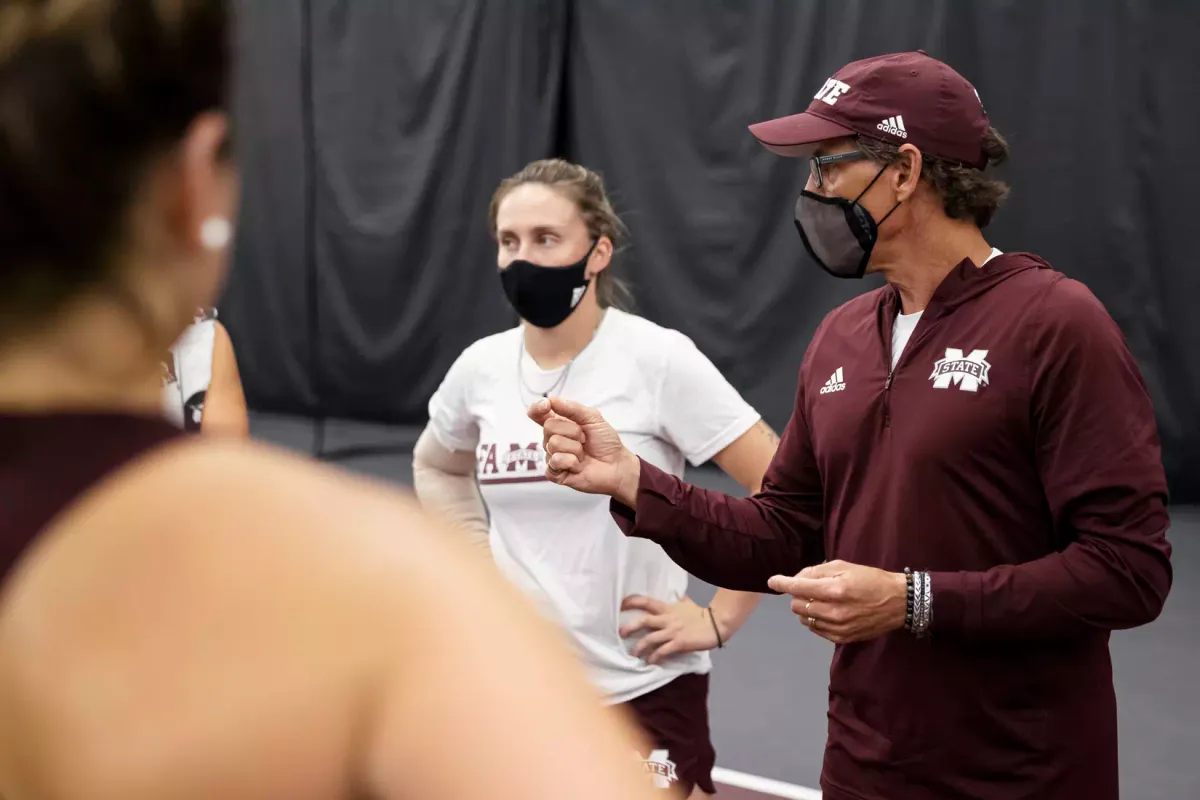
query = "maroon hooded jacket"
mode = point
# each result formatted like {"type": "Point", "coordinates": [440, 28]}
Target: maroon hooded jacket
{"type": "Point", "coordinates": [1013, 454]}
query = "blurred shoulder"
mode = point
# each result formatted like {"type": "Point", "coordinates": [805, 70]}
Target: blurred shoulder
{"type": "Point", "coordinates": [244, 479]}
{"type": "Point", "coordinates": [260, 518]}
{"type": "Point", "coordinates": [233, 569]}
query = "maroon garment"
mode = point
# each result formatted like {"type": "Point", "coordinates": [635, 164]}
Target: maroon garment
{"type": "Point", "coordinates": [1013, 454]}
{"type": "Point", "coordinates": [674, 717]}
{"type": "Point", "coordinates": [943, 115]}
{"type": "Point", "coordinates": [49, 460]}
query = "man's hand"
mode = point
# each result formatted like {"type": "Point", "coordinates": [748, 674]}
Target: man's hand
{"type": "Point", "coordinates": [846, 602]}
{"type": "Point", "coordinates": [584, 452]}
{"type": "Point", "coordinates": [682, 627]}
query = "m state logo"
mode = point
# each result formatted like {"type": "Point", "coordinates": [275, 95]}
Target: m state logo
{"type": "Point", "coordinates": [660, 765]}
{"type": "Point", "coordinates": [515, 462]}
{"type": "Point", "coordinates": [967, 372]}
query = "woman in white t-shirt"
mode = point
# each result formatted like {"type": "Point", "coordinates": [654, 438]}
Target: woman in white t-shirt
{"type": "Point", "coordinates": [202, 388]}
{"type": "Point", "coordinates": [480, 460]}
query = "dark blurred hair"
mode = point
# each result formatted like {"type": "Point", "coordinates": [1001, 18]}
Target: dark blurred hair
{"type": "Point", "coordinates": [967, 193]}
{"type": "Point", "coordinates": [585, 189]}
{"type": "Point", "coordinates": [91, 93]}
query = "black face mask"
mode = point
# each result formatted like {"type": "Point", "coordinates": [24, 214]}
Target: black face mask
{"type": "Point", "coordinates": [838, 233]}
{"type": "Point", "coordinates": [545, 296]}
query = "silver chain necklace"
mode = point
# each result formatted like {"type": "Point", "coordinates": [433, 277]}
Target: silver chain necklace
{"type": "Point", "coordinates": [561, 381]}
{"type": "Point", "coordinates": [558, 383]}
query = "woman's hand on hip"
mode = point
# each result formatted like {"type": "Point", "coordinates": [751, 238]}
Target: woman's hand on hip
{"type": "Point", "coordinates": [682, 627]}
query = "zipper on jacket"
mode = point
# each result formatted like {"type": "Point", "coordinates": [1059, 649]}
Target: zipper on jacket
{"type": "Point", "coordinates": [887, 400]}
{"type": "Point", "coordinates": [887, 386]}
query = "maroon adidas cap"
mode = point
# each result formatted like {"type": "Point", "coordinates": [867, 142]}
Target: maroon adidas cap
{"type": "Point", "coordinates": [898, 98]}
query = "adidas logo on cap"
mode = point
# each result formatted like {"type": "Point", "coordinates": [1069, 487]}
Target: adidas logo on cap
{"type": "Point", "coordinates": [894, 126]}
{"type": "Point", "coordinates": [835, 383]}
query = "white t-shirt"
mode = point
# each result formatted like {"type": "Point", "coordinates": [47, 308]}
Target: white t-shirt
{"type": "Point", "coordinates": [668, 402]}
{"type": "Point", "coordinates": [905, 324]}
{"type": "Point", "coordinates": [190, 373]}
{"type": "Point", "coordinates": [902, 330]}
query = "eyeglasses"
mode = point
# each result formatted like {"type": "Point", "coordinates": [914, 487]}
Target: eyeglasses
{"type": "Point", "coordinates": [816, 162]}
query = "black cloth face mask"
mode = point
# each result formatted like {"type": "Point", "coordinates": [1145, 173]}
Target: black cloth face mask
{"type": "Point", "coordinates": [545, 296]}
{"type": "Point", "coordinates": [838, 233]}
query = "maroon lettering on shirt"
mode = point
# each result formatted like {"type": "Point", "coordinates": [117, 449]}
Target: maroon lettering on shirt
{"type": "Point", "coordinates": [512, 462]}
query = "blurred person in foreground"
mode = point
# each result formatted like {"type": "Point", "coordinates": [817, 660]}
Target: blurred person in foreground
{"type": "Point", "coordinates": [280, 644]}
{"type": "Point", "coordinates": [969, 496]}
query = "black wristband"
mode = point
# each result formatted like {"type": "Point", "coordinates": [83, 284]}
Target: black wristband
{"type": "Point", "coordinates": [716, 630]}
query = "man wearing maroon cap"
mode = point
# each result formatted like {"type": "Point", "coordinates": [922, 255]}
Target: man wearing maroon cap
{"type": "Point", "coordinates": [969, 495]}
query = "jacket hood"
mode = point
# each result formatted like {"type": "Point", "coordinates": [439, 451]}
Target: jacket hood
{"type": "Point", "coordinates": [966, 282]}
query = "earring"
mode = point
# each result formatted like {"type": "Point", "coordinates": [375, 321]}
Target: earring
{"type": "Point", "coordinates": [215, 233]}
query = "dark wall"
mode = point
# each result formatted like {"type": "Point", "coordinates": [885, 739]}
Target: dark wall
{"type": "Point", "coordinates": [373, 133]}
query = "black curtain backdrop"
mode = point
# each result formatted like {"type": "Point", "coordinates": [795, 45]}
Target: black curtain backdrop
{"type": "Point", "coordinates": [373, 132]}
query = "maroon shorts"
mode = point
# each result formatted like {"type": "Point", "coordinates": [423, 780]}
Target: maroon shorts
{"type": "Point", "coordinates": [675, 719]}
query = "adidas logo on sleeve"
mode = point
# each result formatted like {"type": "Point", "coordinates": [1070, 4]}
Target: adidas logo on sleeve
{"type": "Point", "coordinates": [836, 383]}
{"type": "Point", "coordinates": [894, 126]}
